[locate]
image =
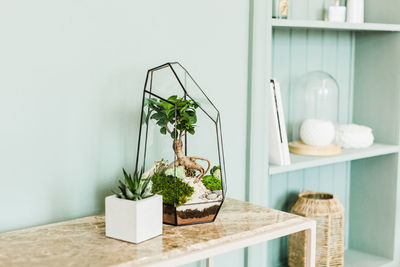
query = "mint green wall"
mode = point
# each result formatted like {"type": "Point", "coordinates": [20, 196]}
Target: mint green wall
{"type": "Point", "coordinates": [72, 76]}
{"type": "Point", "coordinates": [72, 73]}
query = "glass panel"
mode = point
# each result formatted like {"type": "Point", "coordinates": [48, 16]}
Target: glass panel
{"type": "Point", "coordinates": [153, 146]}
{"type": "Point", "coordinates": [164, 84]}
{"type": "Point", "coordinates": [194, 91]}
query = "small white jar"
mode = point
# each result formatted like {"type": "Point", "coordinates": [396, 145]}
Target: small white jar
{"type": "Point", "coordinates": [355, 11]}
{"type": "Point", "coordinates": [337, 13]}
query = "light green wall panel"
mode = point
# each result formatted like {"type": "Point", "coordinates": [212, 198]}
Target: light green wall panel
{"type": "Point", "coordinates": [375, 182]}
{"type": "Point", "coordinates": [373, 202]}
{"type": "Point", "coordinates": [296, 52]}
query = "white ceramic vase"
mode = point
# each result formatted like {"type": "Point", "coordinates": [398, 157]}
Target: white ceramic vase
{"type": "Point", "coordinates": [134, 221]}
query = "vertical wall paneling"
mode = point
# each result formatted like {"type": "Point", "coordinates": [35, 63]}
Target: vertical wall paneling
{"type": "Point", "coordinates": [259, 72]}
{"type": "Point", "coordinates": [296, 52]}
{"type": "Point", "coordinates": [298, 9]}
{"type": "Point", "coordinates": [297, 66]}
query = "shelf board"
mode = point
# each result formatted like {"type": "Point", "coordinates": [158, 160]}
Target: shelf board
{"type": "Point", "coordinates": [354, 258]}
{"type": "Point", "coordinates": [345, 26]}
{"type": "Point", "coordinates": [299, 162]}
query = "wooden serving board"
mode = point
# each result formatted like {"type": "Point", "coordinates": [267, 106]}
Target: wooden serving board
{"type": "Point", "coordinates": [298, 147]}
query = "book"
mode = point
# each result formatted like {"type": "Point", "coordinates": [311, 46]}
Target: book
{"type": "Point", "coordinates": [278, 144]}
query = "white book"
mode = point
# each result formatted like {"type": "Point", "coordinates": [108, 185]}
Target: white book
{"type": "Point", "coordinates": [278, 144]}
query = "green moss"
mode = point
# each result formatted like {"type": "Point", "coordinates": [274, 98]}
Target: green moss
{"type": "Point", "coordinates": [164, 185]}
{"type": "Point", "coordinates": [212, 183]}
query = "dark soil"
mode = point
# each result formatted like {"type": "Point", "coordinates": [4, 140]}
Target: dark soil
{"type": "Point", "coordinates": [189, 216]}
{"type": "Point", "coordinates": [198, 214]}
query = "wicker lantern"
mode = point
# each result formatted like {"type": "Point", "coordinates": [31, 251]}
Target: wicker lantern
{"type": "Point", "coordinates": [327, 211]}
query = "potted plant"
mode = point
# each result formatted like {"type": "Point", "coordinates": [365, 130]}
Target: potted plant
{"type": "Point", "coordinates": [134, 214]}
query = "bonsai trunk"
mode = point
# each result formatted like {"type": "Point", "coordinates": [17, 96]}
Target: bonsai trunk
{"type": "Point", "coordinates": [189, 163]}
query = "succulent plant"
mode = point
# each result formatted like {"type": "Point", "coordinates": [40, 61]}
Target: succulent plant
{"type": "Point", "coordinates": [134, 187]}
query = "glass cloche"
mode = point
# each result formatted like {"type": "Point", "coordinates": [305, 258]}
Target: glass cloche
{"type": "Point", "coordinates": [316, 96]}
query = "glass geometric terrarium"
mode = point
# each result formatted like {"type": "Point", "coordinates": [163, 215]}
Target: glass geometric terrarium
{"type": "Point", "coordinates": [180, 146]}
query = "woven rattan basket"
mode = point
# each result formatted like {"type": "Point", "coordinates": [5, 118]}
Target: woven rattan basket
{"type": "Point", "coordinates": [329, 213]}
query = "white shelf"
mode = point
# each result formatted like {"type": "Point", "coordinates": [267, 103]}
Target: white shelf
{"type": "Point", "coordinates": [302, 162]}
{"type": "Point", "coordinates": [353, 258]}
{"type": "Point", "coordinates": [315, 24]}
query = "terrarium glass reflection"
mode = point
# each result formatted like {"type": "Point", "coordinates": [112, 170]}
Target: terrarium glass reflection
{"type": "Point", "coordinates": [180, 146]}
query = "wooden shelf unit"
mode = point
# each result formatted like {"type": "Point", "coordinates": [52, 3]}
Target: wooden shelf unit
{"type": "Point", "coordinates": [364, 59]}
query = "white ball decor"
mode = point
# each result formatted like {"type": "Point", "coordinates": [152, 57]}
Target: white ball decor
{"type": "Point", "coordinates": [317, 132]}
{"type": "Point", "coordinates": [354, 136]}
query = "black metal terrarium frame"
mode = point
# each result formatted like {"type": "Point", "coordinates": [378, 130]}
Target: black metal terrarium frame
{"type": "Point", "coordinates": [172, 210]}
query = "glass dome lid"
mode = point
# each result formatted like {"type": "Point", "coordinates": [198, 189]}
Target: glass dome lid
{"type": "Point", "coordinates": [316, 96]}
{"type": "Point", "coordinates": [180, 146]}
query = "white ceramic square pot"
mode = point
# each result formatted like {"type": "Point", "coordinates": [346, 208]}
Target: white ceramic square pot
{"type": "Point", "coordinates": [134, 221]}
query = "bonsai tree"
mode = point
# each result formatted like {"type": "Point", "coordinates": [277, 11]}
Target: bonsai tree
{"type": "Point", "coordinates": [177, 117]}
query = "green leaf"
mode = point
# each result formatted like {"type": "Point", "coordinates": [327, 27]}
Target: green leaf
{"type": "Point", "coordinates": [191, 113]}
{"type": "Point", "coordinates": [181, 113]}
{"type": "Point", "coordinates": [173, 98]}
{"type": "Point", "coordinates": [128, 181]}
{"type": "Point", "coordinates": [162, 122]}
{"type": "Point", "coordinates": [156, 116]}
{"type": "Point", "coordinates": [167, 105]}
{"type": "Point", "coordinates": [144, 187]}
{"type": "Point", "coordinates": [123, 191]}
{"type": "Point", "coordinates": [163, 130]}
{"type": "Point", "coordinates": [192, 119]}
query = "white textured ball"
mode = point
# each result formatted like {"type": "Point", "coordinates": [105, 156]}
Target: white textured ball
{"type": "Point", "coordinates": [317, 132]}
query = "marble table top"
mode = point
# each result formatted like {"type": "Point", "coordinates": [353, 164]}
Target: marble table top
{"type": "Point", "coordinates": [82, 242]}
